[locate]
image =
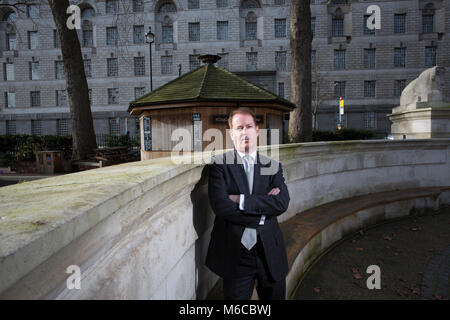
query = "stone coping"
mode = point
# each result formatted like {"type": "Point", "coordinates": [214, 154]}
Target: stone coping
{"type": "Point", "coordinates": [39, 218]}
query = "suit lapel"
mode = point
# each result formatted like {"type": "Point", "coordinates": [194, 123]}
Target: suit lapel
{"type": "Point", "coordinates": [238, 173]}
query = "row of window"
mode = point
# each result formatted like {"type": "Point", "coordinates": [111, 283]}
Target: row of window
{"type": "Point", "coordinates": [369, 58]}
{"type": "Point", "coordinates": [112, 66]}
{"type": "Point", "coordinates": [337, 24]}
{"type": "Point", "coordinates": [63, 126]}
{"type": "Point", "coordinates": [369, 88]}
{"type": "Point", "coordinates": [87, 34]}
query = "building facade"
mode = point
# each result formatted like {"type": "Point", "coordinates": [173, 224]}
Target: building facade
{"type": "Point", "coordinates": [368, 68]}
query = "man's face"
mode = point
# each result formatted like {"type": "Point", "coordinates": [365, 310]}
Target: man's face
{"type": "Point", "coordinates": [244, 133]}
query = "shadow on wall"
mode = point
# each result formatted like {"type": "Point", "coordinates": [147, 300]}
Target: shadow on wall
{"type": "Point", "coordinates": [203, 218]}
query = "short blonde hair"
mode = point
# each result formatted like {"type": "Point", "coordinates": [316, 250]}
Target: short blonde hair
{"type": "Point", "coordinates": [242, 110]}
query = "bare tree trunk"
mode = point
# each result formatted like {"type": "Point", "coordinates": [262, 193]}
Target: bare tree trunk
{"type": "Point", "coordinates": [83, 135]}
{"type": "Point", "coordinates": [300, 124]}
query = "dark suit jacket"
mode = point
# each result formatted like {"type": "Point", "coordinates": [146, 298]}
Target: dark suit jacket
{"type": "Point", "coordinates": [230, 222]}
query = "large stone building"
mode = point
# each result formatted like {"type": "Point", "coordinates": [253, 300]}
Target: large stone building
{"type": "Point", "coordinates": [369, 68]}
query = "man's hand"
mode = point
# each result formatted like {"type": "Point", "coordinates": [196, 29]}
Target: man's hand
{"type": "Point", "coordinates": [234, 197]}
{"type": "Point", "coordinates": [274, 192]}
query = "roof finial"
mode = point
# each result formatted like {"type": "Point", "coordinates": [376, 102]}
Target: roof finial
{"type": "Point", "coordinates": [209, 58]}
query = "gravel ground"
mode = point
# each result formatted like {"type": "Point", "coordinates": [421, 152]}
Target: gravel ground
{"type": "Point", "coordinates": [413, 255]}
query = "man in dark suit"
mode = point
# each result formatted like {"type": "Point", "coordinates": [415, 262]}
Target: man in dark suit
{"type": "Point", "coordinates": [246, 241]}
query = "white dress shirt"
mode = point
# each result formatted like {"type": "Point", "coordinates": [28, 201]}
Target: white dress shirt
{"type": "Point", "coordinates": [242, 197]}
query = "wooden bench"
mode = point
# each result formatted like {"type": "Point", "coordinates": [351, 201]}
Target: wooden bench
{"type": "Point", "coordinates": [303, 228]}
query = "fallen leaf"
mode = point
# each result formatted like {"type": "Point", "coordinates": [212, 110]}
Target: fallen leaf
{"type": "Point", "coordinates": [387, 238]}
{"type": "Point", "coordinates": [396, 253]}
{"type": "Point", "coordinates": [354, 270]}
{"type": "Point", "coordinates": [437, 297]}
{"type": "Point", "coordinates": [317, 290]}
{"type": "Point", "coordinates": [415, 229]}
{"type": "Point", "coordinates": [357, 276]}
{"type": "Point", "coordinates": [401, 292]}
{"type": "Point", "coordinates": [359, 249]}
{"type": "Point", "coordinates": [420, 273]}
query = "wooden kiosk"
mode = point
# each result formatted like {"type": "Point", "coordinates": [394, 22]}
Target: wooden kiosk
{"type": "Point", "coordinates": [201, 100]}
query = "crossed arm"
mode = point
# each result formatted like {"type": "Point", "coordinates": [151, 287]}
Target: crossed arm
{"type": "Point", "coordinates": [227, 206]}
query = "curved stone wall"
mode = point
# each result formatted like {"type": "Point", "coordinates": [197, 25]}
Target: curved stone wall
{"type": "Point", "coordinates": [140, 230]}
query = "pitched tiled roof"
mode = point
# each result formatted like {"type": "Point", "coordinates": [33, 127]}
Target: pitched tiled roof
{"type": "Point", "coordinates": [208, 83]}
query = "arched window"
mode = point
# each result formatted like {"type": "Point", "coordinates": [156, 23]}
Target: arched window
{"type": "Point", "coordinates": [251, 26]}
{"type": "Point", "coordinates": [87, 30]}
{"type": "Point", "coordinates": [167, 30]}
{"type": "Point", "coordinates": [428, 18]}
{"type": "Point", "coordinates": [11, 39]}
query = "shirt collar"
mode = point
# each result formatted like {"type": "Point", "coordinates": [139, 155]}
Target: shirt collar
{"type": "Point", "coordinates": [252, 155]}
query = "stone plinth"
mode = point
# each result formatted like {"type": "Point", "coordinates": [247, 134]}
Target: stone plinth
{"type": "Point", "coordinates": [424, 110]}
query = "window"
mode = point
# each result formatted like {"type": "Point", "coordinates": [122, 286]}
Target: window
{"type": "Point", "coordinates": [113, 95]}
{"type": "Point", "coordinates": [138, 5]}
{"type": "Point", "coordinates": [114, 126]}
{"type": "Point", "coordinates": [399, 85]}
{"type": "Point", "coordinates": [11, 41]}
{"type": "Point", "coordinates": [251, 26]}
{"type": "Point", "coordinates": [399, 23]}
{"type": "Point", "coordinates": [88, 37]}
{"type": "Point", "coordinates": [194, 63]}
{"type": "Point", "coordinates": [279, 2]}
{"type": "Point", "coordinates": [222, 30]}
{"type": "Point", "coordinates": [32, 11]}
{"type": "Point", "coordinates": [56, 42]}
{"type": "Point", "coordinates": [166, 64]}
{"type": "Point", "coordinates": [339, 89]}
{"type": "Point", "coordinates": [223, 62]}
{"type": "Point", "coordinates": [367, 31]}
{"type": "Point", "coordinates": [313, 25]}
{"type": "Point", "coordinates": [194, 31]}
{"type": "Point", "coordinates": [111, 36]}
{"type": "Point", "coordinates": [59, 70]}
{"type": "Point", "coordinates": [221, 3]}
{"type": "Point", "coordinates": [399, 57]}
{"type": "Point", "coordinates": [139, 92]}
{"type": "Point", "coordinates": [112, 6]}
{"type": "Point", "coordinates": [62, 127]}
{"type": "Point", "coordinates": [430, 56]}
{"type": "Point", "coordinates": [369, 89]}
{"type": "Point", "coordinates": [36, 127]}
{"type": "Point", "coordinates": [34, 71]}
{"type": "Point", "coordinates": [193, 4]}
{"type": "Point", "coordinates": [252, 61]}
{"type": "Point", "coordinates": [138, 34]}
{"type": "Point", "coordinates": [112, 67]}
{"type": "Point", "coordinates": [139, 66]}
{"type": "Point", "coordinates": [90, 96]}
{"type": "Point", "coordinates": [281, 89]}
{"type": "Point", "coordinates": [32, 40]}
{"type": "Point", "coordinates": [10, 99]}
{"type": "Point", "coordinates": [249, 4]}
{"type": "Point", "coordinates": [167, 34]}
{"type": "Point", "coordinates": [8, 71]}
{"type": "Point", "coordinates": [87, 68]}
{"type": "Point", "coordinates": [369, 58]}
{"type": "Point", "coordinates": [61, 98]}
{"type": "Point", "coordinates": [280, 28]}
{"type": "Point", "coordinates": [339, 59]}
{"type": "Point", "coordinates": [427, 23]}
{"type": "Point", "coordinates": [370, 120]}
{"type": "Point", "coordinates": [35, 98]}
{"type": "Point", "coordinates": [11, 127]}
{"type": "Point", "coordinates": [337, 27]}
{"type": "Point", "coordinates": [313, 59]}
{"type": "Point", "coordinates": [280, 60]}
